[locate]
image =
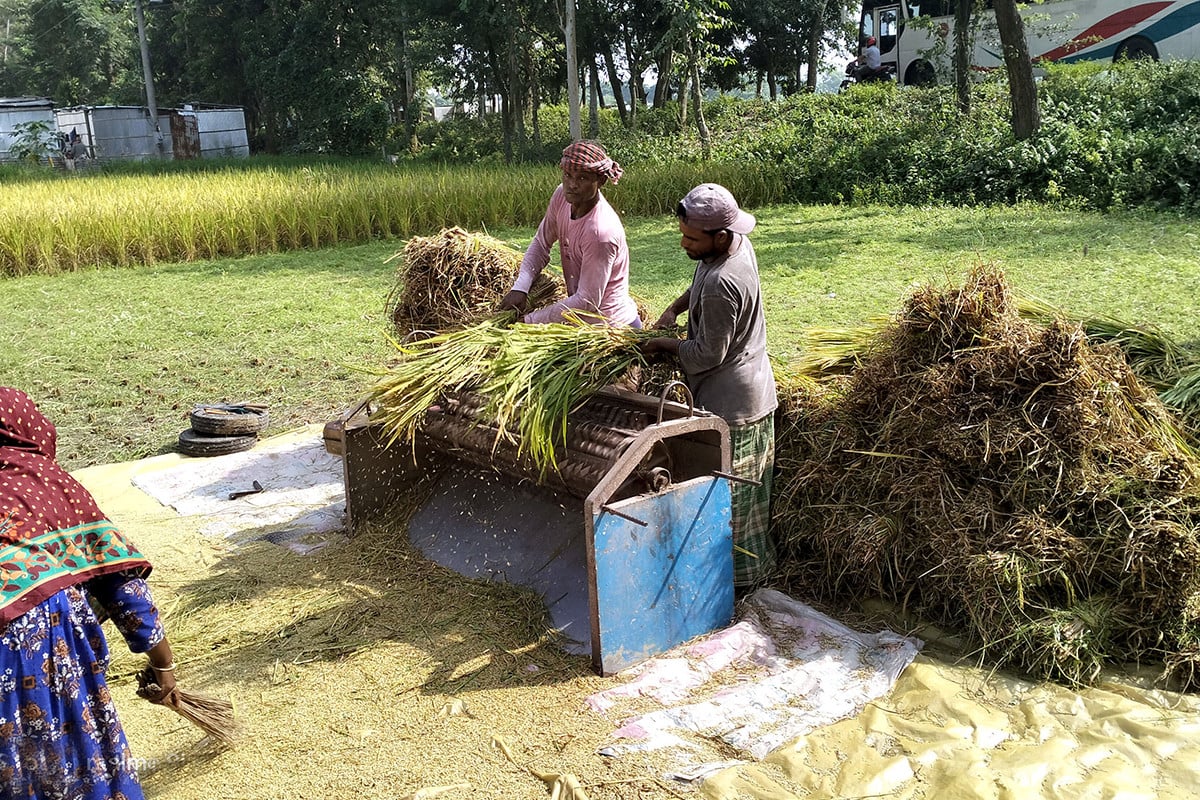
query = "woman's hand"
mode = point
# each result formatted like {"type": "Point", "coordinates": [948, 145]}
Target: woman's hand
{"type": "Point", "coordinates": [162, 666]}
{"type": "Point", "coordinates": [164, 677]}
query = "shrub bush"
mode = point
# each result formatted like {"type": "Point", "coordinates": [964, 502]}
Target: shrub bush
{"type": "Point", "coordinates": [1111, 135]}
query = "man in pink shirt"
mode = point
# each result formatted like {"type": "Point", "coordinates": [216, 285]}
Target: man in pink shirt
{"type": "Point", "coordinates": [591, 245]}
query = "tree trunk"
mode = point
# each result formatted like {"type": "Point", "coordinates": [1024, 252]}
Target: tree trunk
{"type": "Point", "coordinates": [411, 112]}
{"type": "Point", "coordinates": [517, 96]}
{"type": "Point", "coordinates": [636, 92]}
{"type": "Point", "coordinates": [772, 85]}
{"type": "Point", "coordinates": [962, 54]}
{"type": "Point", "coordinates": [634, 80]}
{"type": "Point", "coordinates": [1021, 88]}
{"type": "Point", "coordinates": [614, 81]}
{"type": "Point", "coordinates": [662, 90]}
{"type": "Point", "coordinates": [503, 85]}
{"type": "Point", "coordinates": [572, 74]}
{"type": "Point", "coordinates": [536, 104]}
{"type": "Point", "coordinates": [814, 46]}
{"type": "Point", "coordinates": [593, 101]}
{"type": "Point", "coordinates": [685, 87]}
{"type": "Point", "coordinates": [697, 107]}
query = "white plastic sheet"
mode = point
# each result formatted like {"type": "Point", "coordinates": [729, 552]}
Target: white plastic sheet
{"type": "Point", "coordinates": [785, 669]}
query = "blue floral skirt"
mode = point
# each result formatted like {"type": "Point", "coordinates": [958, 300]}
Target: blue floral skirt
{"type": "Point", "coordinates": [60, 738]}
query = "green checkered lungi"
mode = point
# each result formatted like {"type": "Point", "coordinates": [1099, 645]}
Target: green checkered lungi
{"type": "Point", "coordinates": [753, 457]}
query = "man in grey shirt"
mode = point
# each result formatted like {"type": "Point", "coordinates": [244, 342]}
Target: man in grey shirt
{"type": "Point", "coordinates": [724, 360]}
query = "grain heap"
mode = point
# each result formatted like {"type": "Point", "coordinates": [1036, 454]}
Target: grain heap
{"type": "Point", "coordinates": [1004, 478]}
{"type": "Point", "coordinates": [457, 278]}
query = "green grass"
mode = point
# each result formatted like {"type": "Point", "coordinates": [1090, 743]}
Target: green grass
{"type": "Point", "coordinates": [118, 357]}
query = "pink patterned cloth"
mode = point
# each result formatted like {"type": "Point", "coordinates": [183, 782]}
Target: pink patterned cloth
{"type": "Point", "coordinates": [590, 157]}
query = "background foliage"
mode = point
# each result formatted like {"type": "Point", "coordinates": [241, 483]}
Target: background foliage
{"type": "Point", "coordinates": [1112, 136]}
{"type": "Point", "coordinates": [350, 77]}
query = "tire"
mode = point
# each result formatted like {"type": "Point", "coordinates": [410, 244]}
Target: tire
{"type": "Point", "coordinates": [1138, 48]}
{"type": "Point", "coordinates": [192, 443]}
{"type": "Point", "coordinates": [229, 420]}
{"type": "Point", "coordinates": [920, 73]}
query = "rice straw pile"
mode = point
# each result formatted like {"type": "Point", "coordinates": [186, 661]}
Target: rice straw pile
{"type": "Point", "coordinates": [1170, 368]}
{"type": "Point", "coordinates": [1001, 477]}
{"type": "Point", "coordinates": [530, 376]}
{"type": "Point", "coordinates": [457, 278]}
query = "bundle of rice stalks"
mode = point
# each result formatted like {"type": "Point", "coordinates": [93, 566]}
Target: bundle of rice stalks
{"type": "Point", "coordinates": [1157, 358]}
{"type": "Point", "coordinates": [1171, 369]}
{"type": "Point", "coordinates": [530, 376]}
{"type": "Point", "coordinates": [457, 278]}
{"type": "Point", "coordinates": [1002, 477]}
{"type": "Point", "coordinates": [212, 715]}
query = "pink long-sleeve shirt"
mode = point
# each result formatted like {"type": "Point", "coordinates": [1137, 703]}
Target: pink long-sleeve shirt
{"type": "Point", "coordinates": [595, 262]}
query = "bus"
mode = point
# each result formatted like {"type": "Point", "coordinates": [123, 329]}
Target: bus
{"type": "Point", "coordinates": [1057, 30]}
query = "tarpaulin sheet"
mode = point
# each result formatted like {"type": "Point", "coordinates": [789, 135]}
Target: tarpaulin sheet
{"type": "Point", "coordinates": [302, 490]}
{"type": "Point", "coordinates": [957, 732]}
{"type": "Point", "coordinates": [783, 670]}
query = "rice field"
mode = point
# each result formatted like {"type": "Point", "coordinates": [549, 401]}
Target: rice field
{"type": "Point", "coordinates": [64, 223]}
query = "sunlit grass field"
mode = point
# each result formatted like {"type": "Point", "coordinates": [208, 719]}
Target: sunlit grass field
{"type": "Point", "coordinates": [118, 356]}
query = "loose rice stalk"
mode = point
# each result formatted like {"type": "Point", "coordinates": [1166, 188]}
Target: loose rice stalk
{"type": "Point", "coordinates": [531, 377]}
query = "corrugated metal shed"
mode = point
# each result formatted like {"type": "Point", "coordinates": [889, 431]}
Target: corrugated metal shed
{"type": "Point", "coordinates": [125, 132]}
{"type": "Point", "coordinates": [15, 111]}
{"type": "Point", "coordinates": [222, 130]}
{"type": "Point", "coordinates": [115, 132]}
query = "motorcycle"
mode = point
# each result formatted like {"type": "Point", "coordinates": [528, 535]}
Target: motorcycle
{"type": "Point", "coordinates": [856, 73]}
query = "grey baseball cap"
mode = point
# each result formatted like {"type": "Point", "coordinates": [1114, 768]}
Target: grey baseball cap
{"type": "Point", "coordinates": [711, 207]}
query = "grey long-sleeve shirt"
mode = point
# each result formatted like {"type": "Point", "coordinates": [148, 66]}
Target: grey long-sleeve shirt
{"type": "Point", "coordinates": [725, 354]}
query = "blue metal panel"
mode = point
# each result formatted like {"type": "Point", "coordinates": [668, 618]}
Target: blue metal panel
{"type": "Point", "coordinates": [660, 585]}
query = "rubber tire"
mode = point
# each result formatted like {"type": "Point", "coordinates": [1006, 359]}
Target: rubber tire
{"type": "Point", "coordinates": [192, 443]}
{"type": "Point", "coordinates": [920, 73]}
{"type": "Point", "coordinates": [1135, 49]}
{"type": "Point", "coordinates": [218, 420]}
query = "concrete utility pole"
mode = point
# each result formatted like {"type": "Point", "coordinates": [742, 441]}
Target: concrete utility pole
{"type": "Point", "coordinates": [147, 74]}
{"type": "Point", "coordinates": [573, 120]}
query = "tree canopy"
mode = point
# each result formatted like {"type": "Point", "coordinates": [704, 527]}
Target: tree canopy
{"type": "Point", "coordinates": [345, 77]}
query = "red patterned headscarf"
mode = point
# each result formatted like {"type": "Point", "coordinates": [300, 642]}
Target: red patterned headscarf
{"type": "Point", "coordinates": [590, 157]}
{"type": "Point", "coordinates": [52, 533]}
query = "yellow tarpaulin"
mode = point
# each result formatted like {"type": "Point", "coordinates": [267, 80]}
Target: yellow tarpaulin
{"type": "Point", "coordinates": [956, 732]}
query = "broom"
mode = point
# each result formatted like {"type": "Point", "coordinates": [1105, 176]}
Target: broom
{"type": "Point", "coordinates": [212, 715]}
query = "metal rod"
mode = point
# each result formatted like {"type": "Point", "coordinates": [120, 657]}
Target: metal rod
{"type": "Point", "coordinates": [662, 400]}
{"type": "Point", "coordinates": [616, 513]}
{"type": "Point", "coordinates": [736, 478]}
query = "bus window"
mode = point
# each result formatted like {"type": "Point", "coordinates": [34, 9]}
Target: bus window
{"type": "Point", "coordinates": [888, 19]}
{"type": "Point", "coordinates": [930, 8]}
{"type": "Point", "coordinates": [866, 27]}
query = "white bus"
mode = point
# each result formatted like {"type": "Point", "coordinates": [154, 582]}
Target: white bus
{"type": "Point", "coordinates": [1057, 30]}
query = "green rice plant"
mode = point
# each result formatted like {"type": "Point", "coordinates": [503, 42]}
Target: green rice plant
{"type": "Point", "coordinates": [530, 376]}
{"type": "Point", "coordinates": [139, 217]}
{"type": "Point", "coordinates": [834, 351]}
{"type": "Point", "coordinates": [1184, 394]}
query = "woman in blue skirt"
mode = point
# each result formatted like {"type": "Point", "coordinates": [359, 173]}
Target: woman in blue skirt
{"type": "Point", "coordinates": [60, 738]}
